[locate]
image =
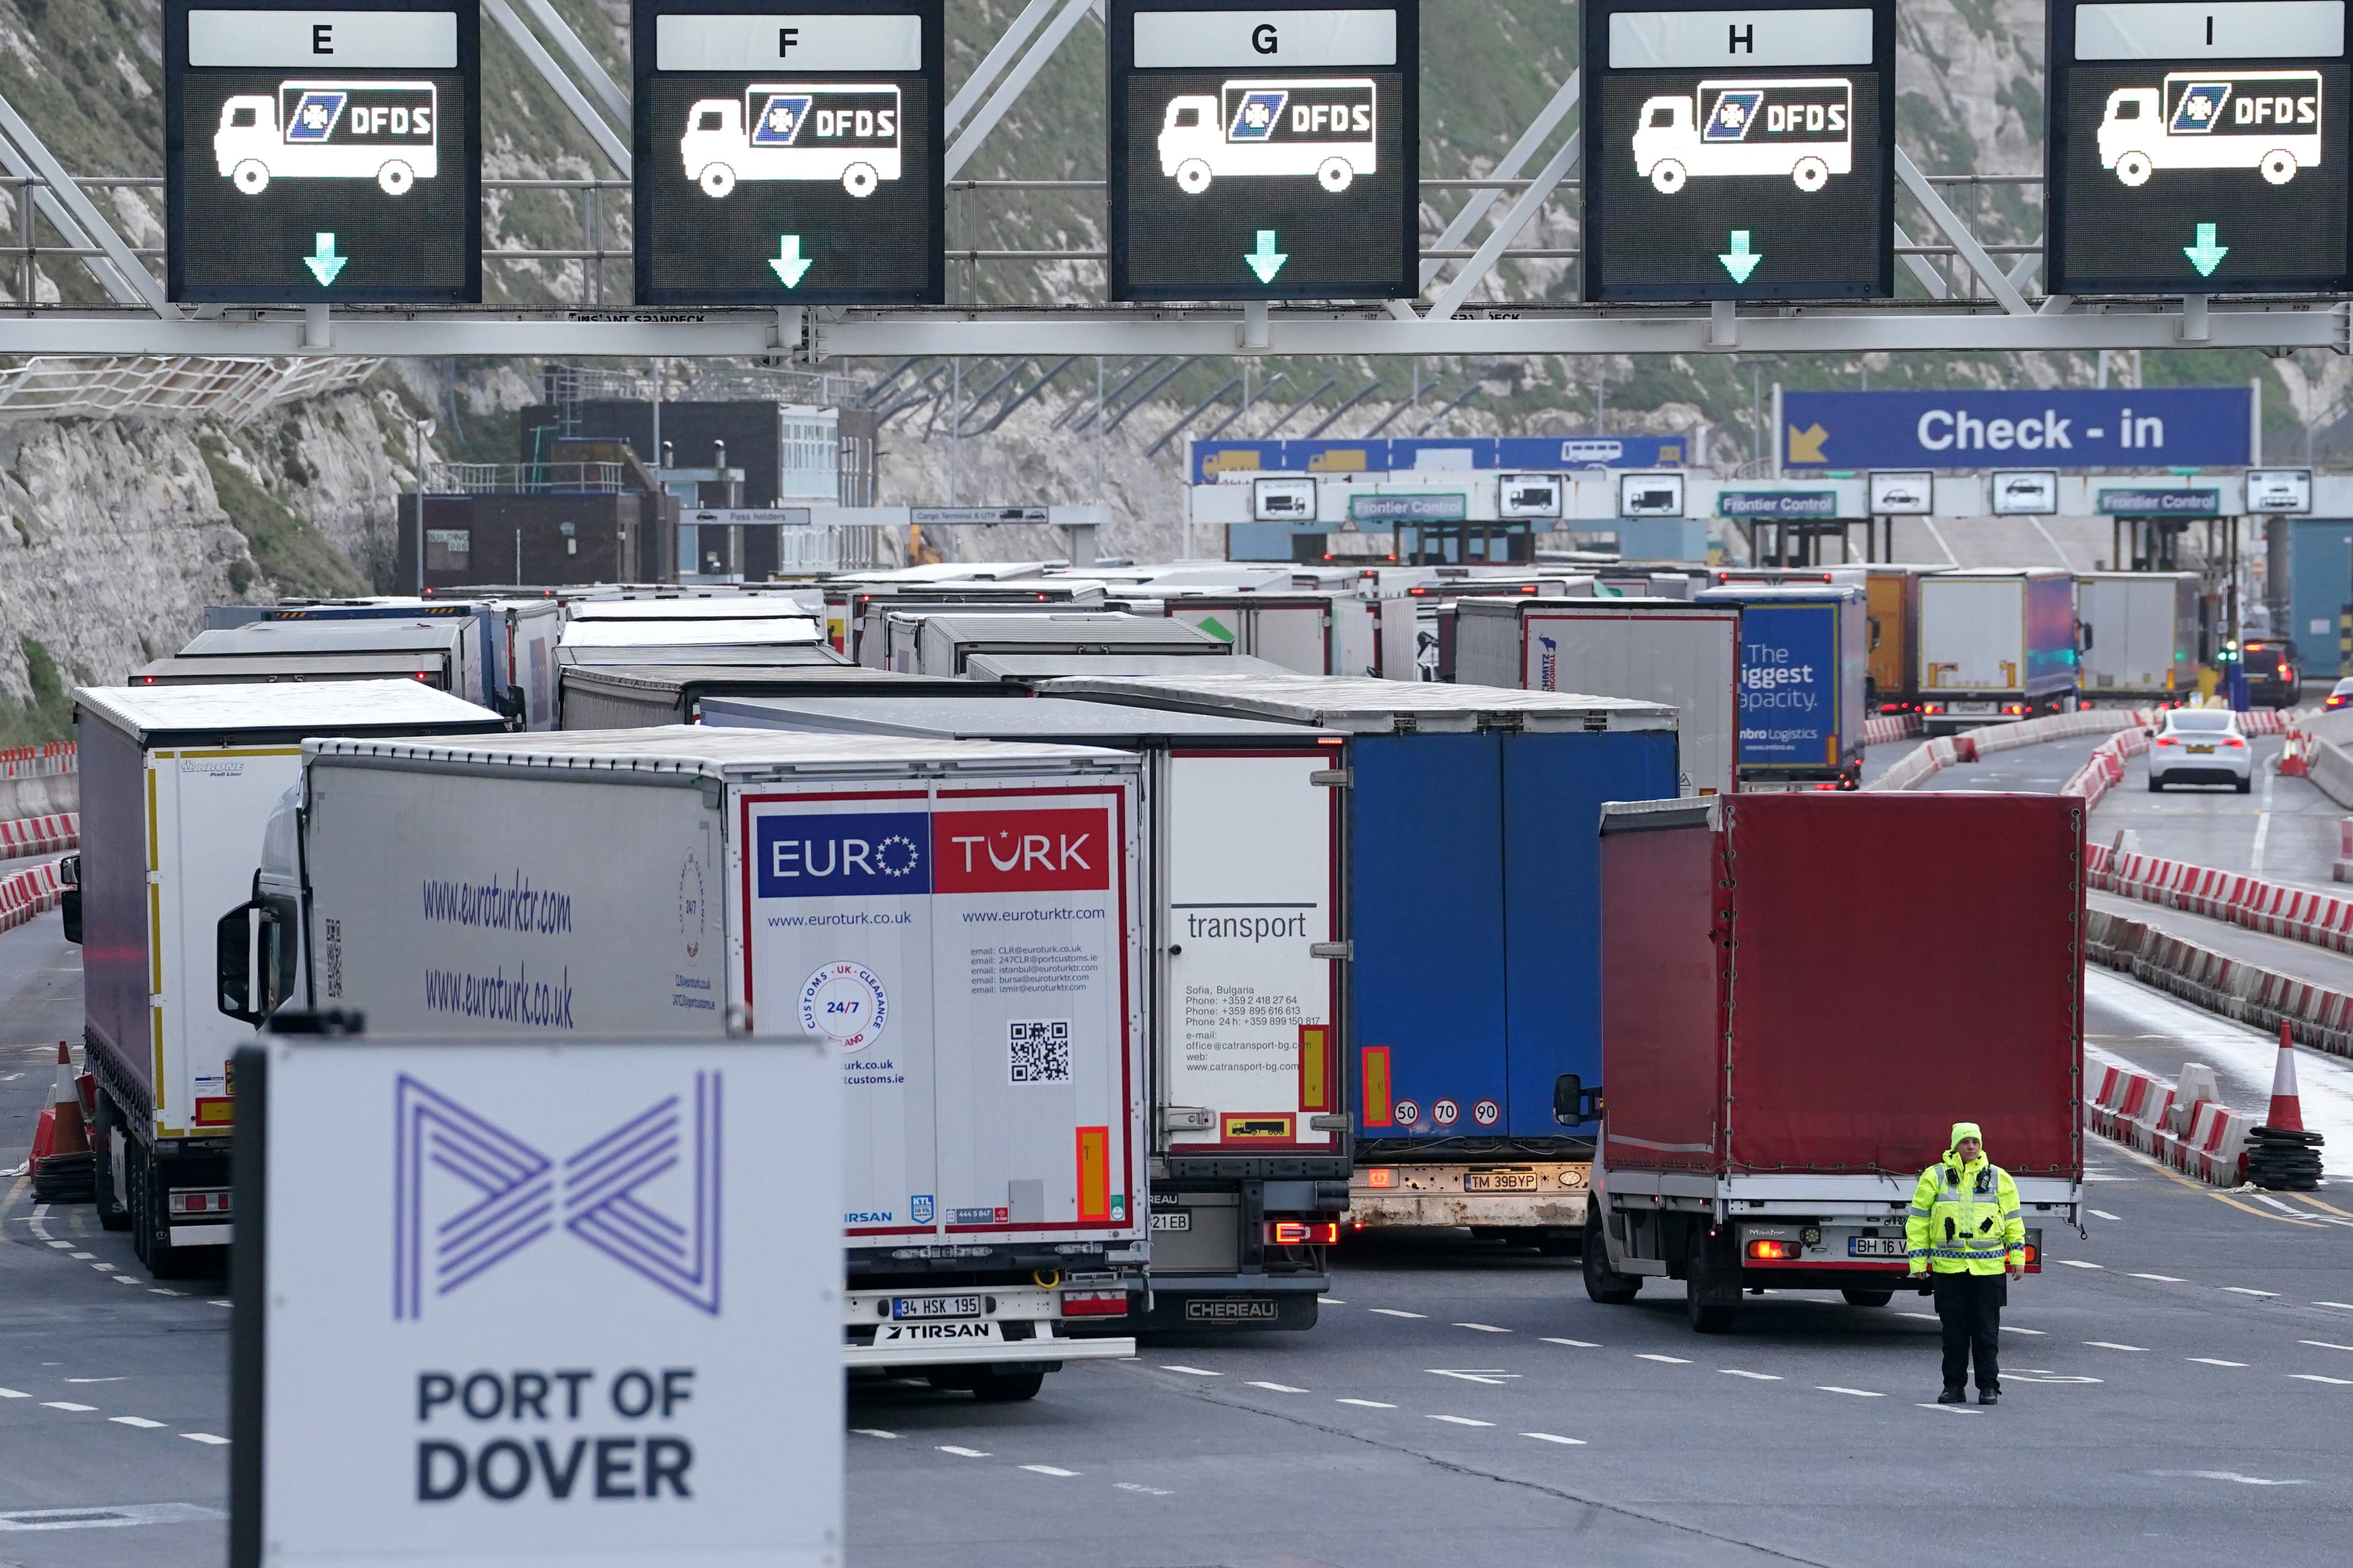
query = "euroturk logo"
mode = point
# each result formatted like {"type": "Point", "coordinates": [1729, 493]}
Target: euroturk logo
{"type": "Point", "coordinates": [523, 1194]}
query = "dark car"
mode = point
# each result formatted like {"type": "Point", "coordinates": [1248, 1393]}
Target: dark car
{"type": "Point", "coordinates": [2273, 679]}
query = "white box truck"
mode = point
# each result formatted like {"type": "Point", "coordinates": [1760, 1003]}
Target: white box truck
{"type": "Point", "coordinates": [1801, 129]}
{"type": "Point", "coordinates": [1660, 650]}
{"type": "Point", "coordinates": [960, 919]}
{"type": "Point", "coordinates": [382, 131]}
{"type": "Point", "coordinates": [446, 652]}
{"type": "Point", "coordinates": [2139, 633]}
{"type": "Point", "coordinates": [782, 130]}
{"type": "Point", "coordinates": [1995, 646]}
{"type": "Point", "coordinates": [2268, 120]}
{"type": "Point", "coordinates": [177, 783]}
{"type": "Point", "coordinates": [1249, 1135]}
{"type": "Point", "coordinates": [1324, 126]}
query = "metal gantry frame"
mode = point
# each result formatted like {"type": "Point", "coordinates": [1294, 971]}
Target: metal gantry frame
{"type": "Point", "coordinates": [142, 321]}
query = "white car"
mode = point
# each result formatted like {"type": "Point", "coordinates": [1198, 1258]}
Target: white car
{"type": "Point", "coordinates": [2200, 746]}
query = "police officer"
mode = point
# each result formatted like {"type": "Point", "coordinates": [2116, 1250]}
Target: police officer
{"type": "Point", "coordinates": [1965, 1227]}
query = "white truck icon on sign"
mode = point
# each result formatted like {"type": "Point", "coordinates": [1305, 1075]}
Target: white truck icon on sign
{"type": "Point", "coordinates": [1800, 129]}
{"type": "Point", "coordinates": [780, 131]}
{"type": "Point", "coordinates": [383, 130]}
{"type": "Point", "coordinates": [2214, 119]}
{"type": "Point", "coordinates": [1323, 127]}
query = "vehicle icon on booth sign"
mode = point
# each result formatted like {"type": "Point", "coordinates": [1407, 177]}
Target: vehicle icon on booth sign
{"type": "Point", "coordinates": [780, 131]}
{"type": "Point", "coordinates": [1323, 127]}
{"type": "Point", "coordinates": [2214, 119]}
{"type": "Point", "coordinates": [380, 130]}
{"type": "Point", "coordinates": [1800, 129]}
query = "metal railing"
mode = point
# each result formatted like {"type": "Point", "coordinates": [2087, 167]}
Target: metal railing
{"type": "Point", "coordinates": [221, 387]}
{"type": "Point", "coordinates": [526, 479]}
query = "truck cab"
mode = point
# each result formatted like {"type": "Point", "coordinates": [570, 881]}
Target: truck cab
{"type": "Point", "coordinates": [1190, 139]}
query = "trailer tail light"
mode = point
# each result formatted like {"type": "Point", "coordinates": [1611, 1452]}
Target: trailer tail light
{"type": "Point", "coordinates": [1770, 1250]}
{"type": "Point", "coordinates": [2033, 1255]}
{"type": "Point", "coordinates": [200, 1200]}
{"type": "Point", "coordinates": [1380, 1177]}
{"type": "Point", "coordinates": [1301, 1233]}
{"type": "Point", "coordinates": [1094, 1303]}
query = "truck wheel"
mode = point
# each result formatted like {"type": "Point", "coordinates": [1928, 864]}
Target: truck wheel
{"type": "Point", "coordinates": [1603, 1283]}
{"type": "Point", "coordinates": [394, 178]}
{"type": "Point", "coordinates": [1868, 1297]}
{"type": "Point", "coordinates": [2134, 168]}
{"type": "Point", "coordinates": [1667, 176]}
{"type": "Point", "coordinates": [994, 1386]}
{"type": "Point", "coordinates": [113, 1213]}
{"type": "Point", "coordinates": [1811, 174]}
{"type": "Point", "coordinates": [1192, 176]}
{"type": "Point", "coordinates": [1335, 174]}
{"type": "Point", "coordinates": [859, 180]}
{"type": "Point", "coordinates": [716, 179]}
{"type": "Point", "coordinates": [250, 176]}
{"type": "Point", "coordinates": [152, 1221]}
{"type": "Point", "coordinates": [2279, 165]}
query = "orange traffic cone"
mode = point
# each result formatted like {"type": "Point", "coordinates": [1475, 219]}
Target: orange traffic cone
{"type": "Point", "coordinates": [2281, 1155]}
{"type": "Point", "coordinates": [2286, 1114]}
{"type": "Point", "coordinates": [72, 1135]}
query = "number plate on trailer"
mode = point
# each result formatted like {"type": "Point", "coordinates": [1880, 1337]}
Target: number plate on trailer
{"type": "Point", "coordinates": [1499, 1182]}
{"type": "Point", "coordinates": [1173, 1219]}
{"type": "Point", "coordinates": [1973, 708]}
{"type": "Point", "coordinates": [906, 1307]}
{"type": "Point", "coordinates": [1875, 1247]}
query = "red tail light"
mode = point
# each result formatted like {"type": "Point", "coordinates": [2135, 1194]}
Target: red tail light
{"type": "Point", "coordinates": [2033, 1254]}
{"type": "Point", "coordinates": [1772, 1249]}
{"type": "Point", "coordinates": [2167, 741]}
{"type": "Point", "coordinates": [2235, 743]}
{"type": "Point", "coordinates": [1301, 1233]}
{"type": "Point", "coordinates": [1094, 1303]}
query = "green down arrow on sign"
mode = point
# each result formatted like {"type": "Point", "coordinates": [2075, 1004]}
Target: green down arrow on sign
{"type": "Point", "coordinates": [2206, 254]}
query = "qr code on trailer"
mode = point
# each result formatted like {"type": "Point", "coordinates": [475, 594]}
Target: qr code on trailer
{"type": "Point", "coordinates": [1037, 1051]}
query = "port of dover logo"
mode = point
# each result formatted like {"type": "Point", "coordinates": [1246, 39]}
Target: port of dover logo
{"type": "Point", "coordinates": [469, 1196]}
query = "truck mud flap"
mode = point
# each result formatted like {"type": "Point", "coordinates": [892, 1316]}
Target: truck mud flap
{"type": "Point", "coordinates": [1237, 1309]}
{"type": "Point", "coordinates": [1023, 1352]}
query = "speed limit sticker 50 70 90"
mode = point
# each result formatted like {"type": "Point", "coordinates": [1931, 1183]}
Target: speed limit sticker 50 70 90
{"type": "Point", "coordinates": [845, 1002]}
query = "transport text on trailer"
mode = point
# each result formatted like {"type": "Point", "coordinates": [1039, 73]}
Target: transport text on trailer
{"type": "Point", "coordinates": [784, 132]}
{"type": "Point", "coordinates": [1802, 130]}
{"type": "Point", "coordinates": [1323, 127]}
{"type": "Point", "coordinates": [2205, 119]}
{"type": "Point", "coordinates": [382, 131]}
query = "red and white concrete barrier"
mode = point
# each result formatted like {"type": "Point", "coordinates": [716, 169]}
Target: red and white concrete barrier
{"type": "Point", "coordinates": [39, 835]}
{"type": "Point", "coordinates": [1890, 727]}
{"type": "Point", "coordinates": [2186, 1127]}
{"type": "Point", "coordinates": [26, 893]}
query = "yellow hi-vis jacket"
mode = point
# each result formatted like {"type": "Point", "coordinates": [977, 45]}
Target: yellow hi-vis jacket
{"type": "Point", "coordinates": [1965, 1219]}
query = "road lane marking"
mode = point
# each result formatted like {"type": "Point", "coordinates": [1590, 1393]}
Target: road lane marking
{"type": "Point", "coordinates": [1193, 1371]}
{"type": "Point", "coordinates": [119, 1378]}
{"type": "Point", "coordinates": [65, 1405]}
{"type": "Point", "coordinates": [2079, 1263]}
{"type": "Point", "coordinates": [1924, 1317]}
{"type": "Point", "coordinates": [2243, 1290]}
{"type": "Point", "coordinates": [2316, 1377]}
{"type": "Point", "coordinates": [1048, 1471]}
{"type": "Point", "coordinates": [962, 1453]}
{"type": "Point", "coordinates": [1556, 1438]}
{"type": "Point", "coordinates": [2259, 1214]}
{"type": "Point", "coordinates": [2163, 1278]}
{"type": "Point", "coordinates": [13, 1393]}
{"type": "Point", "coordinates": [872, 1432]}
{"type": "Point", "coordinates": [1858, 1392]}
{"type": "Point", "coordinates": [2014, 1329]}
{"type": "Point", "coordinates": [1759, 1376]}
{"type": "Point", "coordinates": [2102, 1214]}
{"type": "Point", "coordinates": [2324, 1344]}
{"type": "Point", "coordinates": [2211, 1361]}
{"type": "Point", "coordinates": [1581, 1344]}
{"type": "Point", "coordinates": [1670, 1360]}
{"type": "Point", "coordinates": [1393, 1312]}
{"type": "Point", "coordinates": [1331, 1301]}
{"type": "Point", "coordinates": [2230, 1476]}
{"type": "Point", "coordinates": [106, 1518]}
{"type": "Point", "coordinates": [1493, 1377]}
{"type": "Point", "coordinates": [1140, 1487]}
{"type": "Point", "coordinates": [206, 1438]}
{"type": "Point", "coordinates": [2267, 1199]}
{"type": "Point", "coordinates": [1483, 1328]}
{"type": "Point", "coordinates": [2112, 1345]}
{"type": "Point", "coordinates": [1462, 1421]}
{"type": "Point", "coordinates": [1366, 1403]}
{"type": "Point", "coordinates": [1954, 1409]}
{"type": "Point", "coordinates": [2328, 1208]}
{"type": "Point", "coordinates": [133, 1421]}
{"type": "Point", "coordinates": [2348, 1306]}
{"type": "Point", "coordinates": [1274, 1388]}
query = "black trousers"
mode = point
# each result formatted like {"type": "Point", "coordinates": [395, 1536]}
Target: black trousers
{"type": "Point", "coordinates": [1969, 1307]}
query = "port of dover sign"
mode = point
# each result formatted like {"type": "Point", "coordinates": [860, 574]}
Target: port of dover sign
{"type": "Point", "coordinates": [513, 1303]}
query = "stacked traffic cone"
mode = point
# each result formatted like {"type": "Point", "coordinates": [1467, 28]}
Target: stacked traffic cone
{"type": "Point", "coordinates": [2281, 1155]}
{"type": "Point", "coordinates": [64, 1170]}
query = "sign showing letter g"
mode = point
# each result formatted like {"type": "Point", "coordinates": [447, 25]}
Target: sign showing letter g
{"type": "Point", "coordinates": [1263, 38]}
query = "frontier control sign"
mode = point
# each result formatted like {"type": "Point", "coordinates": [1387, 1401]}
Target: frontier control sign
{"type": "Point", "coordinates": [509, 1304]}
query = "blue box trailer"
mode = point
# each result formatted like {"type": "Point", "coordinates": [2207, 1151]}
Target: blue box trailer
{"type": "Point", "coordinates": [1804, 652]}
{"type": "Point", "coordinates": [1471, 1008]}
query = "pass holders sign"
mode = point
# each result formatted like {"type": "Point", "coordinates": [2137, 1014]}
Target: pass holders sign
{"type": "Point", "coordinates": [789, 155]}
{"type": "Point", "coordinates": [1739, 152]}
{"type": "Point", "coordinates": [518, 1304]}
{"type": "Point", "coordinates": [2197, 148]}
{"type": "Point", "coordinates": [315, 156]}
{"type": "Point", "coordinates": [2278, 490]}
{"type": "Point", "coordinates": [1262, 154]}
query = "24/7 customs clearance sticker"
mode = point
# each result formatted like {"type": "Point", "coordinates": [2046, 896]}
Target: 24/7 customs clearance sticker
{"type": "Point", "coordinates": [846, 1003]}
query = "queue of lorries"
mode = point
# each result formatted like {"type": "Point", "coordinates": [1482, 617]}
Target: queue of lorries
{"type": "Point", "coordinates": [1157, 964]}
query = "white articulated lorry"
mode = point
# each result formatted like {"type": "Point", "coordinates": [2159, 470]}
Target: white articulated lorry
{"type": "Point", "coordinates": [177, 784]}
{"type": "Point", "coordinates": [960, 918]}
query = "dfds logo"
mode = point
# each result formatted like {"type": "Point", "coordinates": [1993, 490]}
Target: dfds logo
{"type": "Point", "coordinates": [861, 852]}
